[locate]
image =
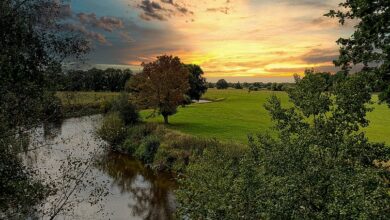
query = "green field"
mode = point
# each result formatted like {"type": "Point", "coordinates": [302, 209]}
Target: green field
{"type": "Point", "coordinates": [232, 116]}
{"type": "Point", "coordinates": [238, 113]}
{"type": "Point", "coordinates": [85, 98]}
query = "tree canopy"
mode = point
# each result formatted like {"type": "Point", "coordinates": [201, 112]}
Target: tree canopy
{"type": "Point", "coordinates": [33, 44]}
{"type": "Point", "coordinates": [94, 79]}
{"type": "Point", "coordinates": [197, 82]}
{"type": "Point", "coordinates": [320, 165]}
{"type": "Point", "coordinates": [161, 85]}
{"type": "Point", "coordinates": [222, 84]}
{"type": "Point", "coordinates": [367, 49]}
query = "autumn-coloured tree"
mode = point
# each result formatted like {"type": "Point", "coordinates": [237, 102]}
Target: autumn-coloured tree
{"type": "Point", "coordinates": [162, 85]}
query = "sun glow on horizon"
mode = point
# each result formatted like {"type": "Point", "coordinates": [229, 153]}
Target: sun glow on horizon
{"type": "Point", "coordinates": [245, 38]}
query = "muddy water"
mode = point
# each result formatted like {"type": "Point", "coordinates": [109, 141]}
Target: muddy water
{"type": "Point", "coordinates": [132, 190]}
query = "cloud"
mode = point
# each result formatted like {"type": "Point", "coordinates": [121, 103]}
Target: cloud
{"type": "Point", "coordinates": [74, 27]}
{"type": "Point", "coordinates": [312, 3]}
{"type": "Point", "coordinates": [125, 36]}
{"type": "Point", "coordinates": [224, 10]}
{"type": "Point", "coordinates": [153, 10]}
{"type": "Point", "coordinates": [106, 23]}
{"type": "Point", "coordinates": [320, 56]}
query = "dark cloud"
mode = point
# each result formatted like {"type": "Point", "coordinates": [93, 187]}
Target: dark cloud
{"type": "Point", "coordinates": [168, 1]}
{"type": "Point", "coordinates": [74, 27]}
{"type": "Point", "coordinates": [153, 10]}
{"type": "Point", "coordinates": [320, 56]}
{"type": "Point", "coordinates": [224, 10]}
{"type": "Point", "coordinates": [125, 36]}
{"type": "Point", "coordinates": [106, 23]}
{"type": "Point", "coordinates": [144, 44]}
{"type": "Point", "coordinates": [314, 3]}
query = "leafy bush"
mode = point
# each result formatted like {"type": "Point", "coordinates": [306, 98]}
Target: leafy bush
{"type": "Point", "coordinates": [113, 129]}
{"type": "Point", "coordinates": [129, 146]}
{"type": "Point", "coordinates": [52, 107]}
{"type": "Point", "coordinates": [318, 166]}
{"type": "Point", "coordinates": [222, 84]}
{"type": "Point", "coordinates": [139, 132]}
{"type": "Point", "coordinates": [148, 148]}
{"type": "Point", "coordinates": [105, 106]}
{"type": "Point", "coordinates": [127, 111]}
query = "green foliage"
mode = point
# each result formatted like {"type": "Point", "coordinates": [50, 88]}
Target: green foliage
{"type": "Point", "coordinates": [52, 107]}
{"type": "Point", "coordinates": [113, 129]}
{"type": "Point", "coordinates": [368, 47]}
{"type": "Point", "coordinates": [238, 86]}
{"type": "Point", "coordinates": [127, 111]}
{"type": "Point", "coordinates": [218, 186]}
{"type": "Point", "coordinates": [110, 79]}
{"type": "Point", "coordinates": [32, 49]}
{"type": "Point", "coordinates": [222, 84]}
{"type": "Point", "coordinates": [161, 85]}
{"type": "Point", "coordinates": [148, 148]}
{"type": "Point", "coordinates": [318, 166]}
{"type": "Point", "coordinates": [309, 95]}
{"type": "Point", "coordinates": [129, 145]}
{"type": "Point", "coordinates": [210, 85]}
{"type": "Point", "coordinates": [197, 82]}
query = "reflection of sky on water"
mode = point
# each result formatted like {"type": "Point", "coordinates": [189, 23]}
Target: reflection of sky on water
{"type": "Point", "coordinates": [134, 192]}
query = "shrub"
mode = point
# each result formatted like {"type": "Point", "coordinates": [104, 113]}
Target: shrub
{"type": "Point", "coordinates": [113, 129]}
{"type": "Point", "coordinates": [127, 111]}
{"type": "Point", "coordinates": [105, 106]}
{"type": "Point", "coordinates": [238, 86]}
{"type": "Point", "coordinates": [139, 132]}
{"type": "Point", "coordinates": [222, 84]}
{"type": "Point", "coordinates": [129, 146]}
{"type": "Point", "coordinates": [52, 107]}
{"type": "Point", "coordinates": [148, 148]}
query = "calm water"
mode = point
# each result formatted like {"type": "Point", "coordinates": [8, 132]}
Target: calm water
{"type": "Point", "coordinates": [133, 191]}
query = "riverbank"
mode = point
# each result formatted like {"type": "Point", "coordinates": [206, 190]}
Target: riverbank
{"type": "Point", "coordinates": [161, 148]}
{"type": "Point", "coordinates": [78, 104]}
{"type": "Point", "coordinates": [231, 116]}
{"type": "Point", "coordinates": [132, 190]}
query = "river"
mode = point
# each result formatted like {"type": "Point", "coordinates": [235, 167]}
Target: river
{"type": "Point", "coordinates": [131, 190]}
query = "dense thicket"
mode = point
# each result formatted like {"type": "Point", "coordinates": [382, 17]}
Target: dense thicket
{"type": "Point", "coordinates": [319, 166]}
{"type": "Point", "coordinates": [367, 49]}
{"type": "Point", "coordinates": [110, 79]}
{"type": "Point", "coordinates": [32, 45]}
{"type": "Point", "coordinates": [196, 81]}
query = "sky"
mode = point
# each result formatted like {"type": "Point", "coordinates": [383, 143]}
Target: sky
{"type": "Point", "coordinates": [238, 40]}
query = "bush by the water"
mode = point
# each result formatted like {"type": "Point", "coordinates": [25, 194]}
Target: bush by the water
{"type": "Point", "coordinates": [113, 129]}
{"type": "Point", "coordinates": [127, 111]}
{"type": "Point", "coordinates": [147, 149]}
{"type": "Point", "coordinates": [154, 144]}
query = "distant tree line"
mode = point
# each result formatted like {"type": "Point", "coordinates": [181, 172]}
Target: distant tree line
{"type": "Point", "coordinates": [223, 84]}
{"type": "Point", "coordinates": [328, 77]}
{"type": "Point", "coordinates": [94, 79]}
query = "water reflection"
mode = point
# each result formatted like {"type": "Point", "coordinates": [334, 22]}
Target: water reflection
{"type": "Point", "coordinates": [134, 192]}
{"type": "Point", "coordinates": [150, 194]}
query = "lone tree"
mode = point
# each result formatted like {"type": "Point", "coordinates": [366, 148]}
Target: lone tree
{"type": "Point", "coordinates": [161, 85]}
{"type": "Point", "coordinates": [222, 84]}
{"type": "Point", "coordinates": [368, 46]}
{"type": "Point", "coordinates": [198, 84]}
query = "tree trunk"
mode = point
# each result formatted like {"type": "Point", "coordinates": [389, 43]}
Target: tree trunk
{"type": "Point", "coordinates": [166, 119]}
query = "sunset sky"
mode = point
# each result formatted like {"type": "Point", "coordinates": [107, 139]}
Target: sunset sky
{"type": "Point", "coordinates": [239, 40]}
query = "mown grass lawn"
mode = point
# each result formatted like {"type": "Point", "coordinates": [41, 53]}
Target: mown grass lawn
{"type": "Point", "coordinates": [238, 113]}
